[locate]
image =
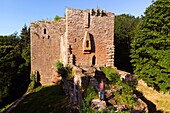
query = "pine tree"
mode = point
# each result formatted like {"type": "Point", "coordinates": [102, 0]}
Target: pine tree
{"type": "Point", "coordinates": [25, 44]}
{"type": "Point", "coordinates": [150, 51]}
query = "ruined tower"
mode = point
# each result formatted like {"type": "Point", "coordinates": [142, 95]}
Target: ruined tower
{"type": "Point", "coordinates": [81, 38]}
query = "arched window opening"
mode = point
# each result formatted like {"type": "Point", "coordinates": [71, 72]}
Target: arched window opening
{"type": "Point", "coordinates": [44, 31]}
{"type": "Point", "coordinates": [94, 60]}
{"type": "Point", "coordinates": [48, 37]}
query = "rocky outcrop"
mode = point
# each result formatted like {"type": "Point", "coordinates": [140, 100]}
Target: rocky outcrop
{"type": "Point", "coordinates": [98, 105]}
{"type": "Point", "coordinates": [141, 107]}
{"type": "Point", "coordinates": [56, 78]}
{"type": "Point", "coordinates": [81, 80]}
{"type": "Point", "coordinates": [128, 78]}
{"type": "Point", "coordinates": [89, 71]}
{"type": "Point", "coordinates": [87, 75]}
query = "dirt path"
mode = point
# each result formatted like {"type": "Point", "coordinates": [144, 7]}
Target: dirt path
{"type": "Point", "coordinates": [162, 101]}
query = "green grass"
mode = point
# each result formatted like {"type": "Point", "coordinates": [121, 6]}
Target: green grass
{"type": "Point", "coordinates": [50, 99]}
{"type": "Point", "coordinates": [5, 108]}
{"type": "Point", "coordinates": [125, 96]}
{"type": "Point", "coordinates": [111, 74]}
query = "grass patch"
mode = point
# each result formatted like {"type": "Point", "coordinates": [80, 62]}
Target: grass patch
{"type": "Point", "coordinates": [49, 99]}
{"type": "Point", "coordinates": [5, 108]}
{"type": "Point", "coordinates": [125, 96]}
{"type": "Point", "coordinates": [162, 101]}
{"type": "Point", "coordinates": [111, 74]}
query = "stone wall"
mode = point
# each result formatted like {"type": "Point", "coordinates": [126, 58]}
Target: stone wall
{"type": "Point", "coordinates": [82, 38]}
{"type": "Point", "coordinates": [45, 48]}
{"type": "Point", "coordinates": [100, 28]}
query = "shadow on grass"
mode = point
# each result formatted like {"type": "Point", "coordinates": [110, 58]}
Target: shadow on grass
{"type": "Point", "coordinates": [151, 106]}
{"type": "Point", "coordinates": [50, 99]}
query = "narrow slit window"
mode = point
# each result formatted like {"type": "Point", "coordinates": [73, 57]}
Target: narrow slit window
{"type": "Point", "coordinates": [94, 60]}
{"type": "Point", "coordinates": [44, 31]}
{"type": "Point", "coordinates": [87, 43]}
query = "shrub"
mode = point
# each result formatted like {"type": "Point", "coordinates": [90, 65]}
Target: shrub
{"type": "Point", "coordinates": [64, 71]}
{"type": "Point", "coordinates": [34, 82]}
{"type": "Point", "coordinates": [125, 95]}
{"type": "Point", "coordinates": [60, 68]}
{"type": "Point", "coordinates": [57, 18]}
{"type": "Point", "coordinates": [90, 93]}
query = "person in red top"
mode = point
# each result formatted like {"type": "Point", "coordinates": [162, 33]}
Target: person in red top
{"type": "Point", "coordinates": [102, 88]}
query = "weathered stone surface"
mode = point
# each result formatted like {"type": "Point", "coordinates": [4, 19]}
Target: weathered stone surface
{"type": "Point", "coordinates": [128, 78]}
{"type": "Point", "coordinates": [141, 107]}
{"type": "Point", "coordinates": [45, 48]}
{"type": "Point", "coordinates": [63, 40]}
{"type": "Point", "coordinates": [89, 71]}
{"type": "Point", "coordinates": [101, 32]}
{"type": "Point", "coordinates": [120, 108]}
{"type": "Point", "coordinates": [97, 104]}
{"type": "Point", "coordinates": [56, 78]}
{"type": "Point", "coordinates": [112, 101]}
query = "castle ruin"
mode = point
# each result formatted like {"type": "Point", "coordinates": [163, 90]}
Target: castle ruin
{"type": "Point", "coordinates": [81, 38]}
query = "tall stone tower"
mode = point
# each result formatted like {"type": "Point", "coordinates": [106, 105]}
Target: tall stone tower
{"type": "Point", "coordinates": [82, 38]}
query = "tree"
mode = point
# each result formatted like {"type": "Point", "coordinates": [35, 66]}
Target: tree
{"type": "Point", "coordinates": [14, 66]}
{"type": "Point", "coordinates": [8, 67]}
{"type": "Point", "coordinates": [151, 46]}
{"type": "Point", "coordinates": [25, 44]}
{"type": "Point", "coordinates": [124, 26]}
{"type": "Point", "coordinates": [25, 37]}
{"type": "Point", "coordinates": [23, 74]}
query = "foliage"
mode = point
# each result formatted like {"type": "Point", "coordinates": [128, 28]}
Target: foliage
{"type": "Point", "coordinates": [34, 82]}
{"type": "Point", "coordinates": [90, 93]}
{"type": "Point", "coordinates": [125, 96]}
{"type": "Point", "coordinates": [111, 74]}
{"type": "Point", "coordinates": [60, 67]}
{"type": "Point", "coordinates": [150, 51]}
{"type": "Point", "coordinates": [8, 67]}
{"type": "Point", "coordinates": [57, 18]}
{"type": "Point", "coordinates": [64, 71]}
{"type": "Point", "coordinates": [114, 78]}
{"type": "Point", "coordinates": [14, 66]}
{"type": "Point", "coordinates": [124, 31]}
{"type": "Point", "coordinates": [5, 108]}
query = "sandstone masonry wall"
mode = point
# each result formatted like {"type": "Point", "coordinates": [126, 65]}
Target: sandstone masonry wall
{"type": "Point", "coordinates": [45, 48]}
{"type": "Point", "coordinates": [82, 38]}
{"type": "Point", "coordinates": [101, 31]}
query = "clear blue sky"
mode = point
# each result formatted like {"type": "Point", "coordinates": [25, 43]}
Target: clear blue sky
{"type": "Point", "coordinates": [15, 13]}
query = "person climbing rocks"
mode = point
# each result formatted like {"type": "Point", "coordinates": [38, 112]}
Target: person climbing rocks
{"type": "Point", "coordinates": [102, 88]}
